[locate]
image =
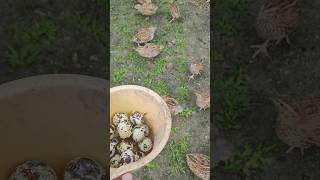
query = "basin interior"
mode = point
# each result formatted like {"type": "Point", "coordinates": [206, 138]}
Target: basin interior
{"type": "Point", "coordinates": [157, 118]}
{"type": "Point", "coordinates": [53, 125]}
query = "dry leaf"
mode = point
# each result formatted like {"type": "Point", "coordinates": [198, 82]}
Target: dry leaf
{"type": "Point", "coordinates": [203, 99]}
{"type": "Point", "coordinates": [173, 105]}
{"type": "Point", "coordinates": [149, 50]}
{"type": "Point", "coordinates": [196, 68]}
{"type": "Point", "coordinates": [199, 164]}
{"type": "Point", "coordinates": [144, 35]}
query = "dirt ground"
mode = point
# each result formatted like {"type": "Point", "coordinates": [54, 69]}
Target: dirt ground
{"type": "Point", "coordinates": [184, 41]}
{"type": "Point", "coordinates": [291, 70]}
{"type": "Point", "coordinates": [43, 37]}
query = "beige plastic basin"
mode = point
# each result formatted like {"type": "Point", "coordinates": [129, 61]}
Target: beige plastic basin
{"type": "Point", "coordinates": [52, 118]}
{"type": "Point", "coordinates": [128, 98]}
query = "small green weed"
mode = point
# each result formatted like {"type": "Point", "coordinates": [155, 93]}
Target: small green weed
{"type": "Point", "coordinates": [88, 26]}
{"type": "Point", "coordinates": [248, 160]}
{"type": "Point", "coordinates": [120, 74]}
{"type": "Point", "coordinates": [174, 130]}
{"type": "Point", "coordinates": [236, 101]}
{"type": "Point", "coordinates": [227, 27]}
{"type": "Point", "coordinates": [162, 88]}
{"type": "Point", "coordinates": [178, 155]}
{"type": "Point", "coordinates": [183, 92]}
{"type": "Point", "coordinates": [181, 65]}
{"type": "Point", "coordinates": [187, 112]}
{"type": "Point", "coordinates": [28, 42]}
{"type": "Point", "coordinates": [151, 165]}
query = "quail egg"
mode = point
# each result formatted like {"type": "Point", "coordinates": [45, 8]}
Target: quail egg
{"type": "Point", "coordinates": [115, 161]}
{"type": "Point", "coordinates": [84, 168]}
{"type": "Point", "coordinates": [136, 118]}
{"type": "Point", "coordinates": [33, 170]}
{"type": "Point", "coordinates": [124, 145]}
{"type": "Point", "coordinates": [114, 141]}
{"type": "Point", "coordinates": [124, 129]}
{"type": "Point", "coordinates": [112, 149]}
{"type": "Point", "coordinates": [113, 131]}
{"type": "Point", "coordinates": [127, 157]}
{"type": "Point", "coordinates": [138, 155]}
{"type": "Point", "coordinates": [145, 145]}
{"type": "Point", "coordinates": [139, 132]}
{"type": "Point", "coordinates": [119, 117]}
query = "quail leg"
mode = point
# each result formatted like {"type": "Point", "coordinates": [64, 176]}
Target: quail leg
{"type": "Point", "coordinates": [191, 78]}
{"type": "Point", "coordinates": [285, 37]}
{"type": "Point", "coordinates": [290, 149]}
{"type": "Point", "coordinates": [260, 49]}
{"type": "Point", "coordinates": [171, 20]}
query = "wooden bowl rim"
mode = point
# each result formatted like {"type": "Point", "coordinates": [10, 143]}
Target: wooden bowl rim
{"type": "Point", "coordinates": [116, 172]}
{"type": "Point", "coordinates": [52, 80]}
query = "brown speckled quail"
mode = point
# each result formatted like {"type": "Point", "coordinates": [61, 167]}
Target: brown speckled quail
{"type": "Point", "coordinates": [203, 99]}
{"type": "Point", "coordinates": [196, 67]}
{"type": "Point", "coordinates": [173, 105]}
{"type": "Point", "coordinates": [275, 21]}
{"type": "Point", "coordinates": [298, 121]}
{"type": "Point", "coordinates": [144, 35]}
{"type": "Point", "coordinates": [173, 9]}
{"type": "Point", "coordinates": [146, 8]}
{"type": "Point", "coordinates": [149, 50]}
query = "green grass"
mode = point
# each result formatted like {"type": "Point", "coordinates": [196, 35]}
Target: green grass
{"type": "Point", "coordinates": [183, 93]}
{"type": "Point", "coordinates": [151, 165]}
{"type": "Point", "coordinates": [28, 42]}
{"type": "Point", "coordinates": [90, 27]}
{"type": "Point", "coordinates": [162, 88]}
{"type": "Point", "coordinates": [234, 5]}
{"type": "Point", "coordinates": [119, 74]}
{"type": "Point", "coordinates": [181, 65]}
{"type": "Point", "coordinates": [177, 155]}
{"type": "Point", "coordinates": [187, 112]}
{"type": "Point", "coordinates": [248, 160]}
{"type": "Point", "coordinates": [227, 26]}
{"type": "Point", "coordinates": [236, 101]}
{"type": "Point", "coordinates": [174, 130]}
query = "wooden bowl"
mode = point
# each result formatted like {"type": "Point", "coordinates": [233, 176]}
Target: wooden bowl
{"type": "Point", "coordinates": [53, 119]}
{"type": "Point", "coordinates": [130, 98]}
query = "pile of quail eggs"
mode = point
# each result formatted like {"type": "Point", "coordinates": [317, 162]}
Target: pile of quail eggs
{"type": "Point", "coordinates": [129, 138]}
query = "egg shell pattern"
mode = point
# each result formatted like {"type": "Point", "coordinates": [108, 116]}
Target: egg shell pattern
{"type": "Point", "coordinates": [34, 170]}
{"type": "Point", "coordinates": [84, 168]}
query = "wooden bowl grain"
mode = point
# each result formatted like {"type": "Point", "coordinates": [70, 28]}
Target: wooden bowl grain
{"type": "Point", "coordinates": [128, 98]}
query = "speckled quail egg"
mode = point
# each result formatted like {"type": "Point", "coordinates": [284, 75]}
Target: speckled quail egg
{"type": "Point", "coordinates": [119, 117]}
{"type": "Point", "coordinates": [84, 168]}
{"type": "Point", "coordinates": [138, 155]}
{"type": "Point", "coordinates": [145, 145]}
{"type": "Point", "coordinates": [114, 141]}
{"type": "Point", "coordinates": [127, 157]}
{"type": "Point", "coordinates": [115, 161]}
{"type": "Point", "coordinates": [113, 131]}
{"type": "Point", "coordinates": [124, 129]}
{"type": "Point", "coordinates": [136, 118]}
{"type": "Point", "coordinates": [112, 149]}
{"type": "Point", "coordinates": [139, 132]}
{"type": "Point", "coordinates": [124, 145]}
{"type": "Point", "coordinates": [33, 170]}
